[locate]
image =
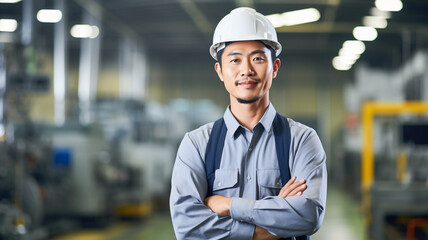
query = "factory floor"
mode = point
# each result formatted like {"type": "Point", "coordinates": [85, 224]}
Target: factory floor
{"type": "Point", "coordinates": [343, 220]}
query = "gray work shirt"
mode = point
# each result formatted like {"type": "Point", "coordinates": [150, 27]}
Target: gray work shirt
{"type": "Point", "coordinates": [251, 176]}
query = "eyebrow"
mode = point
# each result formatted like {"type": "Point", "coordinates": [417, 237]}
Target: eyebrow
{"type": "Point", "coordinates": [252, 53]}
{"type": "Point", "coordinates": [257, 51]}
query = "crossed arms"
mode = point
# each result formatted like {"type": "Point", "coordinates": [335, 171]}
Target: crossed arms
{"type": "Point", "coordinates": [297, 210]}
{"type": "Point", "coordinates": [221, 205]}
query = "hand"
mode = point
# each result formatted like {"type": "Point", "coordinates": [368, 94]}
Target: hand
{"type": "Point", "coordinates": [219, 204]}
{"type": "Point", "coordinates": [263, 234]}
{"type": "Point", "coordinates": [293, 188]}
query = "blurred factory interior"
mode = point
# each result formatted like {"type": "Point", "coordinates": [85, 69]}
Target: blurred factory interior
{"type": "Point", "coordinates": [95, 96]}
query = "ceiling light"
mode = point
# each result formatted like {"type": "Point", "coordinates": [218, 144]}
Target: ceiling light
{"type": "Point", "coordinates": [376, 22]}
{"type": "Point", "coordinates": [81, 31]}
{"type": "Point", "coordinates": [341, 64]}
{"type": "Point", "coordinates": [49, 15]}
{"type": "Point", "coordinates": [344, 60]}
{"type": "Point", "coordinates": [348, 53]}
{"type": "Point", "coordinates": [365, 33]}
{"type": "Point", "coordinates": [295, 17]}
{"type": "Point", "coordinates": [275, 19]}
{"type": "Point", "coordinates": [84, 31]}
{"type": "Point", "coordinates": [389, 5]}
{"type": "Point", "coordinates": [378, 13]}
{"type": "Point", "coordinates": [9, 1]}
{"type": "Point", "coordinates": [354, 46]}
{"type": "Point", "coordinates": [8, 25]}
{"type": "Point", "coordinates": [95, 32]}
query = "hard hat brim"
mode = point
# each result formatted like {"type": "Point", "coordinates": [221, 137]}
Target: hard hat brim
{"type": "Point", "coordinates": [218, 46]}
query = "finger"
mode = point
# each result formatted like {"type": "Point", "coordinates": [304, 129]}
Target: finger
{"type": "Point", "coordinates": [291, 181]}
{"type": "Point", "coordinates": [293, 188]}
{"type": "Point", "coordinates": [287, 185]}
{"type": "Point", "coordinates": [297, 190]}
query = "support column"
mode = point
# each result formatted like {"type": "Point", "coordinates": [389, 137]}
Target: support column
{"type": "Point", "coordinates": [27, 22]}
{"type": "Point", "coordinates": [324, 112]}
{"type": "Point", "coordinates": [88, 71]}
{"type": "Point", "coordinates": [425, 76]}
{"type": "Point", "coordinates": [2, 91]}
{"type": "Point", "coordinates": [133, 70]}
{"type": "Point", "coordinates": [60, 63]}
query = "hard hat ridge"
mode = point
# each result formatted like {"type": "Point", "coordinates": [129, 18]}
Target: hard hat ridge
{"type": "Point", "coordinates": [244, 24]}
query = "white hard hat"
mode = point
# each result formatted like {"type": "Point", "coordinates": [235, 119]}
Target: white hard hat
{"type": "Point", "coordinates": [244, 24]}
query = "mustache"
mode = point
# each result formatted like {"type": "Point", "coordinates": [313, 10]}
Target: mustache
{"type": "Point", "coordinates": [246, 79]}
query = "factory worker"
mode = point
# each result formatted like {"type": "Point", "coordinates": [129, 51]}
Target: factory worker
{"type": "Point", "coordinates": [253, 174]}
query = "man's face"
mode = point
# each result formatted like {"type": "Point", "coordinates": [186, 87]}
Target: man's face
{"type": "Point", "coordinates": [247, 71]}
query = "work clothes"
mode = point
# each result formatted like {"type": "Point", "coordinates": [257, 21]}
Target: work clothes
{"type": "Point", "coordinates": [250, 174]}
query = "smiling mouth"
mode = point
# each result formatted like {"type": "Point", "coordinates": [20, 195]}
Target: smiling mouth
{"type": "Point", "coordinates": [246, 82]}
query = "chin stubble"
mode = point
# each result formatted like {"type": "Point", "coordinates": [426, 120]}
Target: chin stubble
{"type": "Point", "coordinates": [240, 100]}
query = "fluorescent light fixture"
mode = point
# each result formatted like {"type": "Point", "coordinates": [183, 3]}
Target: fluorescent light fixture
{"type": "Point", "coordinates": [295, 17]}
{"type": "Point", "coordinates": [84, 31]}
{"type": "Point", "coordinates": [354, 46]}
{"type": "Point", "coordinates": [348, 53]}
{"type": "Point", "coordinates": [389, 5]}
{"type": "Point", "coordinates": [9, 1]}
{"type": "Point", "coordinates": [49, 15]}
{"type": "Point", "coordinates": [95, 32]}
{"type": "Point", "coordinates": [341, 64]}
{"type": "Point", "coordinates": [375, 12]}
{"type": "Point", "coordinates": [376, 22]}
{"type": "Point", "coordinates": [8, 25]}
{"type": "Point", "coordinates": [365, 33]}
{"type": "Point", "coordinates": [344, 60]}
{"type": "Point", "coordinates": [275, 19]}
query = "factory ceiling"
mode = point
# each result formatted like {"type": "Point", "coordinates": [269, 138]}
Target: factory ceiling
{"type": "Point", "coordinates": [174, 27]}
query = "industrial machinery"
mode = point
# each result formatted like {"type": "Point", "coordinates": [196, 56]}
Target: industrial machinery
{"type": "Point", "coordinates": [395, 185]}
{"type": "Point", "coordinates": [388, 148]}
{"type": "Point", "coordinates": [140, 140]}
{"type": "Point", "coordinates": [58, 178]}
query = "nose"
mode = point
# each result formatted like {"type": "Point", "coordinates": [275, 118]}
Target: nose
{"type": "Point", "coordinates": [246, 68]}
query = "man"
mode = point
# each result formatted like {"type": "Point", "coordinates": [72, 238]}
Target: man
{"type": "Point", "coordinates": [246, 199]}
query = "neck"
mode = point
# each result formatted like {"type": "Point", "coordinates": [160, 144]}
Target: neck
{"type": "Point", "coordinates": [249, 114]}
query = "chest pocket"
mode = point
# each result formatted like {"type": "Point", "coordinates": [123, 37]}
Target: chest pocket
{"type": "Point", "coordinates": [226, 182]}
{"type": "Point", "coordinates": [269, 182]}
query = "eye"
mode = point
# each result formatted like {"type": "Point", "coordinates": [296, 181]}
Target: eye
{"type": "Point", "coordinates": [234, 60]}
{"type": "Point", "coordinates": [258, 59]}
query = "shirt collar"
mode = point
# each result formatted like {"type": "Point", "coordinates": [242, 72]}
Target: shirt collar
{"type": "Point", "coordinates": [233, 125]}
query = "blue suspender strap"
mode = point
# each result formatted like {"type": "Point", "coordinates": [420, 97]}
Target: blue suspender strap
{"type": "Point", "coordinates": [214, 152]}
{"type": "Point", "coordinates": [302, 237]}
{"type": "Point", "coordinates": [281, 130]}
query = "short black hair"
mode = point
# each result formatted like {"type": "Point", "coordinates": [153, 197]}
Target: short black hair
{"type": "Point", "coordinates": [272, 52]}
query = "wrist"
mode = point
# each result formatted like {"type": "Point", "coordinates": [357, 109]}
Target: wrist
{"type": "Point", "coordinates": [228, 201]}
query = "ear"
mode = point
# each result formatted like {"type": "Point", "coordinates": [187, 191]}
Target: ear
{"type": "Point", "coordinates": [276, 65]}
{"type": "Point", "coordinates": [218, 70]}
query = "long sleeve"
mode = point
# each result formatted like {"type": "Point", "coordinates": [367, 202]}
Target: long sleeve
{"type": "Point", "coordinates": [191, 218]}
{"type": "Point", "coordinates": [298, 215]}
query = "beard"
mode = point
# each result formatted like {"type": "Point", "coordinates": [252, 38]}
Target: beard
{"type": "Point", "coordinates": [240, 100]}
